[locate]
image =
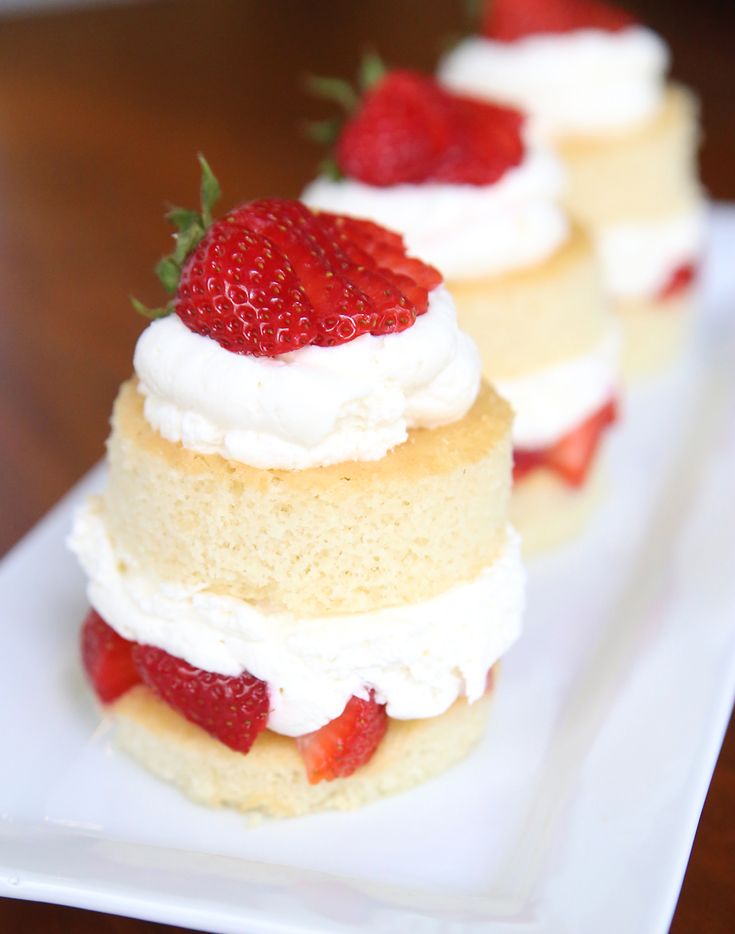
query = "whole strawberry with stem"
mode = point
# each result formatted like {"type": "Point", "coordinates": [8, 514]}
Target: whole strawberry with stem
{"type": "Point", "coordinates": [273, 276]}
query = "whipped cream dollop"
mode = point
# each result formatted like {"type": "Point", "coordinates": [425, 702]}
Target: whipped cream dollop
{"type": "Point", "coordinates": [418, 658]}
{"type": "Point", "coordinates": [638, 259]}
{"type": "Point", "coordinates": [466, 231]}
{"type": "Point", "coordinates": [584, 82]}
{"type": "Point", "coordinates": [553, 401]}
{"type": "Point", "coordinates": [313, 406]}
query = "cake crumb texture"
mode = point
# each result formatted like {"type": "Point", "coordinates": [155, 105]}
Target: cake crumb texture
{"type": "Point", "coordinates": [537, 317]}
{"type": "Point", "coordinates": [346, 538]}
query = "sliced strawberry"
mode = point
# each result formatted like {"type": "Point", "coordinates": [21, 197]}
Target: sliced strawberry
{"type": "Point", "coordinates": [384, 248]}
{"type": "Point", "coordinates": [240, 291]}
{"type": "Point", "coordinates": [344, 744]}
{"type": "Point", "coordinates": [526, 460]}
{"type": "Point", "coordinates": [107, 659]}
{"type": "Point", "coordinates": [508, 20]}
{"type": "Point", "coordinates": [487, 142]}
{"type": "Point", "coordinates": [273, 276]}
{"type": "Point", "coordinates": [232, 709]}
{"type": "Point", "coordinates": [398, 133]}
{"type": "Point", "coordinates": [681, 278]}
{"type": "Point", "coordinates": [364, 232]}
{"type": "Point", "coordinates": [570, 457]}
{"type": "Point", "coordinates": [409, 129]}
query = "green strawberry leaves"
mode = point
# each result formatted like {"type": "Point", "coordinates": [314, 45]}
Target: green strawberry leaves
{"type": "Point", "coordinates": [347, 97]}
{"type": "Point", "coordinates": [210, 191]}
{"type": "Point", "coordinates": [151, 313]}
{"type": "Point", "coordinates": [336, 90]}
{"type": "Point", "coordinates": [190, 229]}
{"type": "Point", "coordinates": [372, 70]}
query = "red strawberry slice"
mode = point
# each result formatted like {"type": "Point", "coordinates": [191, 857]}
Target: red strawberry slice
{"type": "Point", "coordinates": [571, 456]}
{"type": "Point", "coordinates": [239, 290]}
{"type": "Point", "coordinates": [344, 744]}
{"type": "Point", "coordinates": [508, 20]}
{"type": "Point", "coordinates": [408, 129]}
{"type": "Point", "coordinates": [273, 276]}
{"type": "Point", "coordinates": [335, 280]}
{"type": "Point", "coordinates": [399, 131]}
{"type": "Point", "coordinates": [232, 709]}
{"type": "Point", "coordinates": [360, 238]}
{"type": "Point", "coordinates": [107, 659]}
{"type": "Point", "coordinates": [382, 266]}
{"type": "Point", "coordinates": [487, 143]}
{"type": "Point", "coordinates": [680, 280]}
{"type": "Point", "coordinates": [364, 232]}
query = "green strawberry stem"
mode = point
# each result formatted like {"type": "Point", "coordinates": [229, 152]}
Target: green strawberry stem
{"type": "Point", "coordinates": [472, 13]}
{"type": "Point", "coordinates": [151, 313]}
{"type": "Point", "coordinates": [372, 70]}
{"type": "Point", "coordinates": [336, 90]}
{"type": "Point", "coordinates": [347, 97]}
{"type": "Point", "coordinates": [190, 229]}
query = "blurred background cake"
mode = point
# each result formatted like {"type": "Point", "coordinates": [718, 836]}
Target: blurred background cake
{"type": "Point", "coordinates": [471, 189]}
{"type": "Point", "coordinates": [593, 79]}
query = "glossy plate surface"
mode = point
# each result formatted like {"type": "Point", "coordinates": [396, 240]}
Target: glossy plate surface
{"type": "Point", "coordinates": [576, 814]}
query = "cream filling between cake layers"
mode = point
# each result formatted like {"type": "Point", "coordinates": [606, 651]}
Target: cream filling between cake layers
{"type": "Point", "coordinates": [418, 658]}
{"type": "Point", "coordinates": [551, 402]}
{"type": "Point", "coordinates": [466, 231]}
{"type": "Point", "coordinates": [638, 259]}
{"type": "Point", "coordinates": [585, 82]}
{"type": "Point", "coordinates": [313, 406]}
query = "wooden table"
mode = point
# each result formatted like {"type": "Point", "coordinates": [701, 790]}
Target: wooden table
{"type": "Point", "coordinates": [101, 114]}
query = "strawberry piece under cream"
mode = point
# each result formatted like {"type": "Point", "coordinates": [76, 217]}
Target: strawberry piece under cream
{"type": "Point", "coordinates": [682, 278]}
{"type": "Point", "coordinates": [571, 456]}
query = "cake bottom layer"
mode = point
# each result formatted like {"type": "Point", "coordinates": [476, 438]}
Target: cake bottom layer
{"type": "Point", "coordinates": [271, 778]}
{"type": "Point", "coordinates": [547, 512]}
{"type": "Point", "coordinates": [654, 333]}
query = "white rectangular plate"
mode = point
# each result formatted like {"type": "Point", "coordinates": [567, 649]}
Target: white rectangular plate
{"type": "Point", "coordinates": [576, 814]}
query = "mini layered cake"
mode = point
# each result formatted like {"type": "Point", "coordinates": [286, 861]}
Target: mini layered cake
{"type": "Point", "coordinates": [472, 192]}
{"type": "Point", "coordinates": [301, 571]}
{"type": "Point", "coordinates": [593, 81]}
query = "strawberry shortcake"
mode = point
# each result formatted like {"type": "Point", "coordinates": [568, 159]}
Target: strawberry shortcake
{"type": "Point", "coordinates": [473, 192]}
{"type": "Point", "coordinates": [592, 79]}
{"type": "Point", "coordinates": [301, 570]}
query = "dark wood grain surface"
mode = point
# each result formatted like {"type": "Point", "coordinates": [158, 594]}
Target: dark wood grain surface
{"type": "Point", "coordinates": [101, 115]}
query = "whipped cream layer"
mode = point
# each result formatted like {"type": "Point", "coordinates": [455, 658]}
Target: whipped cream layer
{"type": "Point", "coordinates": [551, 402]}
{"type": "Point", "coordinates": [584, 82]}
{"type": "Point", "coordinates": [419, 658]}
{"type": "Point", "coordinates": [313, 406]}
{"type": "Point", "coordinates": [638, 259]}
{"type": "Point", "coordinates": [466, 231]}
